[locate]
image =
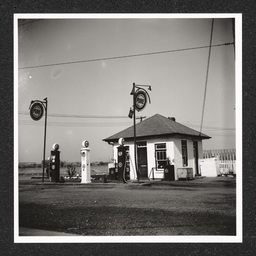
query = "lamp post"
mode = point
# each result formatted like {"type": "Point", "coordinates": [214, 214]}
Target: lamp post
{"type": "Point", "coordinates": [37, 108]}
{"type": "Point", "coordinates": [140, 97]}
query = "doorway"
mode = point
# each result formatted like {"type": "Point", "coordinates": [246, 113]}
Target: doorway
{"type": "Point", "coordinates": [195, 149]}
{"type": "Point", "coordinates": [142, 159]}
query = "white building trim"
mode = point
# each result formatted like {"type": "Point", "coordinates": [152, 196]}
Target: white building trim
{"type": "Point", "coordinates": [173, 152]}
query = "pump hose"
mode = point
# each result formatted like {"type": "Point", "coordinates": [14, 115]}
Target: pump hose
{"type": "Point", "coordinates": [130, 168]}
{"type": "Point", "coordinates": [124, 179]}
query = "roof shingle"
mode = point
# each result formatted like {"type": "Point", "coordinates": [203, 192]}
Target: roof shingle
{"type": "Point", "coordinates": [156, 125]}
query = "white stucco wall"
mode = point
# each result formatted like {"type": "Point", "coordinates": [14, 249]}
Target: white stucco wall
{"type": "Point", "coordinates": [190, 151]}
{"type": "Point", "coordinates": [173, 147]}
{"type": "Point", "coordinates": [158, 174]}
{"type": "Point", "coordinates": [177, 156]}
{"type": "Point", "coordinates": [200, 149]}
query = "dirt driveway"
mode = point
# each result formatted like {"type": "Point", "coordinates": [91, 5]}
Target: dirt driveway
{"type": "Point", "coordinates": [204, 206]}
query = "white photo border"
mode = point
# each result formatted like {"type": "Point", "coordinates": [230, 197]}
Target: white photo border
{"type": "Point", "coordinates": [137, 239]}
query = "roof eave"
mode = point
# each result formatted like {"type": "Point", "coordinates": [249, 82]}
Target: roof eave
{"type": "Point", "coordinates": [174, 135]}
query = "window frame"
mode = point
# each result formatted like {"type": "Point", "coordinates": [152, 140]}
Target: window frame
{"type": "Point", "coordinates": [161, 150]}
{"type": "Point", "coordinates": [184, 153]}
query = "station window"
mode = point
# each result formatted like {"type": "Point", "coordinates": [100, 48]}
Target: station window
{"type": "Point", "coordinates": [161, 156]}
{"type": "Point", "coordinates": [184, 152]}
{"type": "Point", "coordinates": [141, 144]}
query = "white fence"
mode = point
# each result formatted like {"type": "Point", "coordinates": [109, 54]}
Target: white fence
{"type": "Point", "coordinates": [227, 167]}
{"type": "Point", "coordinates": [218, 162]}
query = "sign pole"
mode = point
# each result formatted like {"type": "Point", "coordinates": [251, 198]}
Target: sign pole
{"type": "Point", "coordinates": [37, 108]}
{"type": "Point", "coordinates": [134, 131]}
{"type": "Point", "coordinates": [140, 97]}
{"type": "Point", "coordinates": [45, 125]}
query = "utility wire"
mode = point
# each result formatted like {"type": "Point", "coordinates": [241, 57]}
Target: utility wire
{"type": "Point", "coordinates": [215, 130]}
{"type": "Point", "coordinates": [114, 117]}
{"type": "Point", "coordinates": [100, 124]}
{"type": "Point", "coordinates": [210, 127]}
{"type": "Point", "coordinates": [73, 124]}
{"type": "Point", "coordinates": [75, 116]}
{"type": "Point", "coordinates": [124, 56]}
{"type": "Point", "coordinates": [206, 80]}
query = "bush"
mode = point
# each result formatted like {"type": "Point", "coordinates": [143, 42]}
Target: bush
{"type": "Point", "coordinates": [71, 170]}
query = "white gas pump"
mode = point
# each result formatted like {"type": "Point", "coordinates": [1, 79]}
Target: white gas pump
{"type": "Point", "coordinates": [85, 163]}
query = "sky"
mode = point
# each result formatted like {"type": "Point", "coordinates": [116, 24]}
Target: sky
{"type": "Point", "coordinates": [73, 62]}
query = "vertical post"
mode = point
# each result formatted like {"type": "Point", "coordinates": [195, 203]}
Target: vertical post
{"type": "Point", "coordinates": [44, 136]}
{"type": "Point", "coordinates": [85, 165]}
{"type": "Point", "coordinates": [206, 79]}
{"type": "Point", "coordinates": [134, 130]}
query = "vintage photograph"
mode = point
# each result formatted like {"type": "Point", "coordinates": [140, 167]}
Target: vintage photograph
{"type": "Point", "coordinates": [127, 128]}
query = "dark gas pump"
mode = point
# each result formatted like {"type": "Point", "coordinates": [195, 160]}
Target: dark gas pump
{"type": "Point", "coordinates": [123, 162]}
{"type": "Point", "coordinates": [169, 172]}
{"type": "Point", "coordinates": [55, 164]}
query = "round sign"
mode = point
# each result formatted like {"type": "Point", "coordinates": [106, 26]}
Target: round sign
{"type": "Point", "coordinates": [85, 143]}
{"type": "Point", "coordinates": [121, 141]}
{"type": "Point", "coordinates": [55, 146]}
{"type": "Point", "coordinates": [36, 111]}
{"type": "Point", "coordinates": [140, 100]}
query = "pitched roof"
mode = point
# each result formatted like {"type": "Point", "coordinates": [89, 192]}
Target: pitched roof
{"type": "Point", "coordinates": [155, 126]}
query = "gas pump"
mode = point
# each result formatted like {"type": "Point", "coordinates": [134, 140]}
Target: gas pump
{"type": "Point", "coordinates": [123, 164]}
{"type": "Point", "coordinates": [55, 163]}
{"type": "Point", "coordinates": [169, 171]}
{"type": "Point", "coordinates": [85, 163]}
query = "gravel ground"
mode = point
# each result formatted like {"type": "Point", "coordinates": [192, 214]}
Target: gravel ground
{"type": "Point", "coordinates": [205, 206]}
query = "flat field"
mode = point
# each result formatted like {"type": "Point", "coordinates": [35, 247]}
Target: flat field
{"type": "Point", "coordinates": [205, 206]}
{"type": "Point", "coordinates": [95, 169]}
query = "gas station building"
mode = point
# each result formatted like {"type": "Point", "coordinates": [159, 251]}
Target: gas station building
{"type": "Point", "coordinates": [160, 141]}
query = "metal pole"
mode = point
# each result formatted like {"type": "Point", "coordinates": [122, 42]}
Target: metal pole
{"type": "Point", "coordinates": [206, 79]}
{"type": "Point", "coordinates": [44, 136]}
{"type": "Point", "coordinates": [134, 130]}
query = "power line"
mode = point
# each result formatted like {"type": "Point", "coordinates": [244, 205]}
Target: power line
{"type": "Point", "coordinates": [106, 124]}
{"type": "Point", "coordinates": [73, 124]}
{"type": "Point", "coordinates": [211, 127]}
{"type": "Point", "coordinates": [124, 56]}
{"type": "Point", "coordinates": [111, 124]}
{"type": "Point", "coordinates": [114, 117]}
{"type": "Point", "coordinates": [76, 116]}
{"type": "Point", "coordinates": [207, 72]}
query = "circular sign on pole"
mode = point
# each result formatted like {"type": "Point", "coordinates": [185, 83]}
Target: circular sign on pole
{"type": "Point", "coordinates": [121, 141]}
{"type": "Point", "coordinates": [85, 143]}
{"type": "Point", "coordinates": [55, 146]}
{"type": "Point", "coordinates": [140, 100]}
{"type": "Point", "coordinates": [36, 111]}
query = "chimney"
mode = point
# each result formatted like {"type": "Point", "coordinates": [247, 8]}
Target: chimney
{"type": "Point", "coordinates": [172, 118]}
